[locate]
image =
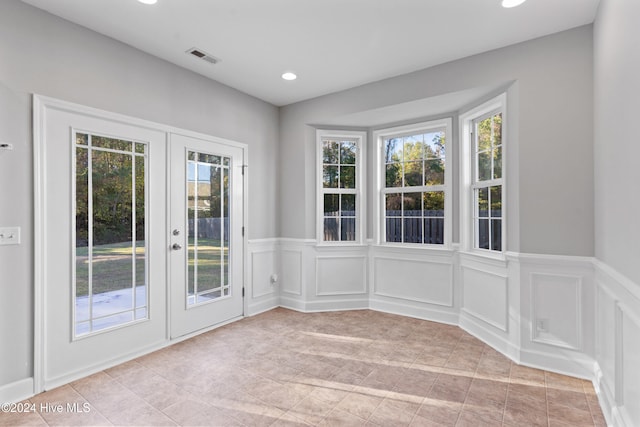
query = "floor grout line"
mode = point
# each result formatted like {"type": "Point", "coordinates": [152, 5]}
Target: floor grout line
{"type": "Point", "coordinates": [294, 355]}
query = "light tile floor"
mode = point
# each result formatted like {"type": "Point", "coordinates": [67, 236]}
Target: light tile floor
{"type": "Point", "coordinates": [360, 368]}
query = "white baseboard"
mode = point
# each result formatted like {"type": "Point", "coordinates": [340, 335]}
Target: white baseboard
{"type": "Point", "coordinates": [51, 383]}
{"type": "Point", "coordinates": [473, 326]}
{"type": "Point", "coordinates": [16, 391]}
{"type": "Point", "coordinates": [531, 274]}
{"type": "Point", "coordinates": [267, 304]}
{"type": "Point", "coordinates": [292, 303]}
{"type": "Point", "coordinates": [324, 305]}
{"type": "Point", "coordinates": [572, 363]}
{"type": "Point", "coordinates": [422, 311]}
{"type": "Point", "coordinates": [605, 397]}
{"type": "Point", "coordinates": [337, 305]}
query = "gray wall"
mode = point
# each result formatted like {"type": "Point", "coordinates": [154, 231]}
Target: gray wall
{"type": "Point", "coordinates": [553, 192]}
{"type": "Point", "coordinates": [552, 101]}
{"type": "Point", "coordinates": [42, 54]}
{"type": "Point", "coordinates": [617, 141]}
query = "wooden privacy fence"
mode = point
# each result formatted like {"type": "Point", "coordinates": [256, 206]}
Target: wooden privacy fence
{"type": "Point", "coordinates": [209, 228]}
{"type": "Point", "coordinates": [415, 226]}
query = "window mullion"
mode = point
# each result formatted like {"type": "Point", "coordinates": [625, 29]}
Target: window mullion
{"type": "Point", "coordinates": [487, 183]}
{"type": "Point", "coordinates": [422, 215]}
{"type": "Point", "coordinates": [491, 148]}
{"type": "Point", "coordinates": [339, 191]}
{"type": "Point", "coordinates": [90, 228]}
{"type": "Point", "coordinates": [340, 213]}
{"type": "Point", "coordinates": [490, 225]}
{"type": "Point", "coordinates": [402, 219]}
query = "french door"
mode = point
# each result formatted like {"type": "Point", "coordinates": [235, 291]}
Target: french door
{"type": "Point", "coordinates": [206, 233]}
{"type": "Point", "coordinates": [101, 246]}
{"type": "Point", "coordinates": [122, 241]}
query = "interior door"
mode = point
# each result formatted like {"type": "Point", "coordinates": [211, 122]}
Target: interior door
{"type": "Point", "coordinates": [103, 219]}
{"type": "Point", "coordinates": [206, 235]}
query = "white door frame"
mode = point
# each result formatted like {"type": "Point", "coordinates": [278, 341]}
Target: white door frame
{"type": "Point", "coordinates": [40, 106]}
{"type": "Point", "coordinates": [203, 313]}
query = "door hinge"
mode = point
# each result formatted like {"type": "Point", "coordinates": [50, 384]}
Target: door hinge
{"type": "Point", "coordinates": [243, 168]}
{"type": "Point", "coordinates": [243, 292]}
{"type": "Point", "coordinates": [242, 231]}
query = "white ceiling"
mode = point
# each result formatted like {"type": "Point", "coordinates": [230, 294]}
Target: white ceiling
{"type": "Point", "coordinates": [424, 108]}
{"type": "Point", "coordinates": [331, 44]}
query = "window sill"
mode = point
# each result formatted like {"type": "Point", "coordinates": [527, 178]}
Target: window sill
{"type": "Point", "coordinates": [420, 248]}
{"type": "Point", "coordinates": [340, 245]}
{"type": "Point", "coordinates": [413, 245]}
{"type": "Point", "coordinates": [484, 256]}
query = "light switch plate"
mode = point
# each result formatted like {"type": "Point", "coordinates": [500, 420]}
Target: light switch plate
{"type": "Point", "coordinates": [9, 235]}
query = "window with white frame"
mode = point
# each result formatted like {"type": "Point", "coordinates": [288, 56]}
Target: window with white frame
{"type": "Point", "coordinates": [415, 184]}
{"type": "Point", "coordinates": [487, 182]}
{"type": "Point", "coordinates": [340, 184]}
{"type": "Point", "coordinates": [482, 177]}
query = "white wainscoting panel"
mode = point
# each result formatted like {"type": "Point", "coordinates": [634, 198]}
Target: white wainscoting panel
{"type": "Point", "coordinates": [291, 272]}
{"type": "Point", "coordinates": [629, 366]}
{"type": "Point", "coordinates": [263, 265]}
{"type": "Point", "coordinates": [556, 310]}
{"type": "Point", "coordinates": [341, 275]}
{"type": "Point", "coordinates": [606, 339]}
{"type": "Point", "coordinates": [485, 296]}
{"type": "Point", "coordinates": [591, 320]}
{"type": "Point", "coordinates": [414, 280]}
{"type": "Point", "coordinates": [263, 260]}
{"type": "Point", "coordinates": [617, 373]}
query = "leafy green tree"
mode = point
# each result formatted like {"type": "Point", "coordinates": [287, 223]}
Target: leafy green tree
{"type": "Point", "coordinates": [489, 147]}
{"type": "Point", "coordinates": [489, 158]}
{"type": "Point", "coordinates": [112, 193]}
{"type": "Point", "coordinates": [338, 169]}
{"type": "Point", "coordinates": [411, 160]}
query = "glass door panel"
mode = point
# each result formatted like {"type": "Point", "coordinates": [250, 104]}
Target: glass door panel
{"type": "Point", "coordinates": [207, 215]}
{"type": "Point", "coordinates": [110, 248]}
{"type": "Point", "coordinates": [208, 225]}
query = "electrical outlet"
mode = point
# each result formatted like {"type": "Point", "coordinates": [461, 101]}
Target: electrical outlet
{"type": "Point", "coordinates": [274, 279]}
{"type": "Point", "coordinates": [10, 236]}
{"type": "Point", "coordinates": [542, 325]}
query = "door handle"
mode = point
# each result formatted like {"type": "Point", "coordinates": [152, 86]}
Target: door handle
{"type": "Point", "coordinates": [176, 247]}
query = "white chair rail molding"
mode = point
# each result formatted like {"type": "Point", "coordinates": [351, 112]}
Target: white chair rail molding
{"type": "Point", "coordinates": [470, 163]}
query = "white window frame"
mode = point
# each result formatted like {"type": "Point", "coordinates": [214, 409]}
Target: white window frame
{"type": "Point", "coordinates": [360, 138]}
{"type": "Point", "coordinates": [379, 136]}
{"type": "Point", "coordinates": [468, 182]}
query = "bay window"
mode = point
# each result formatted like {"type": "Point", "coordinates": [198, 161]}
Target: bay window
{"type": "Point", "coordinates": [340, 183]}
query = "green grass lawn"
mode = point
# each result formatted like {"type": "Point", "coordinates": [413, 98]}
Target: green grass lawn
{"type": "Point", "coordinates": [113, 267]}
{"type": "Point", "coordinates": [209, 262]}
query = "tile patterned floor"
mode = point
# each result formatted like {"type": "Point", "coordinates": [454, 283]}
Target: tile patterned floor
{"type": "Point", "coordinates": [353, 368]}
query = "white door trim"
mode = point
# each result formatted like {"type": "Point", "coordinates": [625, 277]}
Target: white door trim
{"type": "Point", "coordinates": [40, 106]}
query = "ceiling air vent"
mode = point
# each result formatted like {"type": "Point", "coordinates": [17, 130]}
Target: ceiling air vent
{"type": "Point", "coordinates": [200, 54]}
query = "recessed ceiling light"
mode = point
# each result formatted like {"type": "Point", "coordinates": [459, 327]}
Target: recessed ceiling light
{"type": "Point", "coordinates": [289, 76]}
{"type": "Point", "coordinates": [148, 1]}
{"type": "Point", "coordinates": [512, 3]}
